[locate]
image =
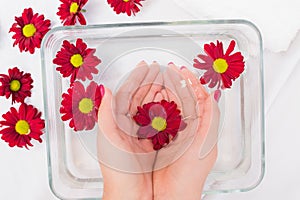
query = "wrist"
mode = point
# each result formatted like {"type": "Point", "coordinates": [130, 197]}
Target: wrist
{"type": "Point", "coordinates": [178, 195]}
{"type": "Point", "coordinates": [170, 188]}
{"type": "Point", "coordinates": [114, 193]}
{"type": "Point", "coordinates": [127, 186]}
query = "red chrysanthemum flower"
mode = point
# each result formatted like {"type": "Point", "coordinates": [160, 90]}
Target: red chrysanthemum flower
{"type": "Point", "coordinates": [220, 68]}
{"type": "Point", "coordinates": [17, 84]}
{"type": "Point", "coordinates": [70, 10]}
{"type": "Point", "coordinates": [160, 122]}
{"type": "Point", "coordinates": [22, 125]}
{"type": "Point", "coordinates": [78, 61]}
{"type": "Point", "coordinates": [125, 6]}
{"type": "Point", "coordinates": [29, 30]}
{"type": "Point", "coordinates": [81, 105]}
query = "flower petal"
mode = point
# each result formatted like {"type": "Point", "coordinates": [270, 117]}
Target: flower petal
{"type": "Point", "coordinates": [19, 139]}
{"type": "Point", "coordinates": [164, 109]}
{"type": "Point", "coordinates": [128, 7]}
{"type": "Point", "coordinates": [33, 40]}
{"type": "Point", "coordinates": [235, 65]}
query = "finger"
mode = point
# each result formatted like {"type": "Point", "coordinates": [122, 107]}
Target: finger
{"type": "Point", "coordinates": [165, 95]}
{"type": "Point", "coordinates": [109, 130]}
{"type": "Point", "coordinates": [170, 89]}
{"type": "Point", "coordinates": [158, 97]}
{"type": "Point", "coordinates": [208, 132]}
{"type": "Point", "coordinates": [105, 117]}
{"type": "Point", "coordinates": [122, 97]}
{"type": "Point", "coordinates": [195, 84]}
{"type": "Point", "coordinates": [144, 87]}
{"type": "Point", "coordinates": [197, 87]}
{"type": "Point", "coordinates": [183, 91]}
{"type": "Point", "coordinates": [155, 88]}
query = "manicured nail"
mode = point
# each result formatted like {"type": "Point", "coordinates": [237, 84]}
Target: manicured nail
{"type": "Point", "coordinates": [170, 63]}
{"type": "Point", "coordinates": [102, 90]}
{"type": "Point", "coordinates": [217, 95]}
{"type": "Point", "coordinates": [183, 67]}
{"type": "Point", "coordinates": [142, 63]}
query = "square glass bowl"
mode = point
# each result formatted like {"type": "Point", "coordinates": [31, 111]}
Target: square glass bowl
{"type": "Point", "coordinates": [74, 172]}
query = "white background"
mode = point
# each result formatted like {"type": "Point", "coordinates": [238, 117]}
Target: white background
{"type": "Point", "coordinates": [23, 173]}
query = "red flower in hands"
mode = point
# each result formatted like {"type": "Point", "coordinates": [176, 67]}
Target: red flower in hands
{"type": "Point", "coordinates": [160, 122]}
{"type": "Point", "coordinates": [29, 30]}
{"type": "Point", "coordinates": [220, 68]}
{"type": "Point", "coordinates": [77, 61]}
{"type": "Point", "coordinates": [125, 6]}
{"type": "Point", "coordinates": [81, 105]}
{"type": "Point", "coordinates": [17, 84]}
{"type": "Point", "coordinates": [70, 10]}
{"type": "Point", "coordinates": [22, 125]}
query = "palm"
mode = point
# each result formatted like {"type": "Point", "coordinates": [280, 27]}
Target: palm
{"type": "Point", "coordinates": [125, 161]}
{"type": "Point", "coordinates": [176, 165]}
{"type": "Point", "coordinates": [130, 162]}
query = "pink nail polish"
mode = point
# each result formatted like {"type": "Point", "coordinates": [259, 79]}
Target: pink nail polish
{"type": "Point", "coordinates": [217, 95]}
{"type": "Point", "coordinates": [170, 63]}
{"type": "Point", "coordinates": [102, 90]}
{"type": "Point", "coordinates": [183, 67]}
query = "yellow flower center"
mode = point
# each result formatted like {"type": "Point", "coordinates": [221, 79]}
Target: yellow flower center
{"type": "Point", "coordinates": [220, 65]}
{"type": "Point", "coordinates": [86, 105]}
{"type": "Point", "coordinates": [22, 127]}
{"type": "Point", "coordinates": [15, 85]}
{"type": "Point", "coordinates": [159, 123]}
{"type": "Point", "coordinates": [74, 7]}
{"type": "Point", "coordinates": [29, 30]}
{"type": "Point", "coordinates": [76, 60]}
{"type": "Point", "coordinates": [126, 0]}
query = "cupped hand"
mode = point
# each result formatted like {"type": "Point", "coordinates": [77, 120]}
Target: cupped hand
{"type": "Point", "coordinates": [184, 177]}
{"type": "Point", "coordinates": [126, 162]}
{"type": "Point", "coordinates": [130, 167]}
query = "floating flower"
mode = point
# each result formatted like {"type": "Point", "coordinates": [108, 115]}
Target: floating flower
{"type": "Point", "coordinates": [22, 125]}
{"type": "Point", "coordinates": [70, 10]}
{"type": "Point", "coordinates": [159, 121]}
{"type": "Point", "coordinates": [77, 61]}
{"type": "Point", "coordinates": [220, 68]}
{"type": "Point", "coordinates": [125, 6]}
{"type": "Point", "coordinates": [16, 84]}
{"type": "Point", "coordinates": [29, 30]}
{"type": "Point", "coordinates": [81, 105]}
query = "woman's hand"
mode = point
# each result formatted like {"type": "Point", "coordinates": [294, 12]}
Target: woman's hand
{"type": "Point", "coordinates": [126, 162]}
{"type": "Point", "coordinates": [130, 167]}
{"type": "Point", "coordinates": [185, 176]}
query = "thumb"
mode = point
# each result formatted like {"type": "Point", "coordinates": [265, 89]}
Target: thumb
{"type": "Point", "coordinates": [105, 114]}
{"type": "Point", "coordinates": [209, 127]}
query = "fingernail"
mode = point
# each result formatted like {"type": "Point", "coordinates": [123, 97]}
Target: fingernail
{"type": "Point", "coordinates": [217, 95]}
{"type": "Point", "coordinates": [142, 63]}
{"type": "Point", "coordinates": [183, 67]}
{"type": "Point", "coordinates": [102, 90]}
{"type": "Point", "coordinates": [170, 63]}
